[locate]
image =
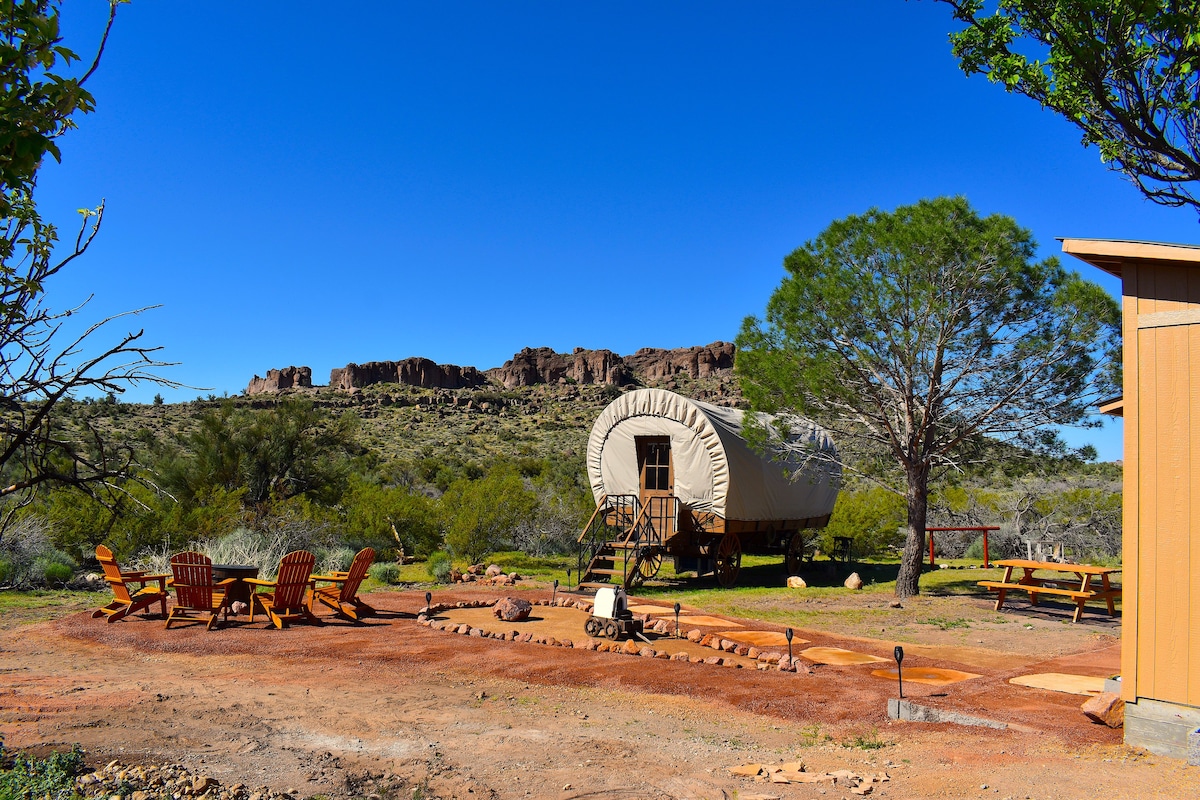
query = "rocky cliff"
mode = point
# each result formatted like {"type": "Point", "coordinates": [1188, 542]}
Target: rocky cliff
{"type": "Point", "coordinates": [411, 371]}
{"type": "Point", "coordinates": [650, 366]}
{"type": "Point", "coordinates": [278, 380]}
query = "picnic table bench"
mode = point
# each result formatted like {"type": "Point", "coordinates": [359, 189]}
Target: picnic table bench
{"type": "Point", "coordinates": [1079, 589]}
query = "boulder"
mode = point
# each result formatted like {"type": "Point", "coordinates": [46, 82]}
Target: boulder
{"type": "Point", "coordinates": [796, 582]}
{"type": "Point", "coordinates": [494, 570]}
{"type": "Point", "coordinates": [854, 582]}
{"type": "Point", "coordinates": [512, 609]}
{"type": "Point", "coordinates": [1107, 708]}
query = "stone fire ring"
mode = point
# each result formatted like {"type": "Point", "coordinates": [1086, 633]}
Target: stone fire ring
{"type": "Point", "coordinates": [762, 660]}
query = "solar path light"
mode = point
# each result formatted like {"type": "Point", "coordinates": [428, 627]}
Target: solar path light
{"type": "Point", "coordinates": [898, 653]}
{"type": "Point", "coordinates": [554, 593]}
{"type": "Point", "coordinates": [788, 635]}
{"type": "Point", "coordinates": [677, 620]}
{"type": "Point", "coordinates": [428, 603]}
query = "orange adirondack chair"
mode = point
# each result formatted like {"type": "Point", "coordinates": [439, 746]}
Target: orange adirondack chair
{"type": "Point", "coordinates": [195, 590]}
{"type": "Point", "coordinates": [342, 596]}
{"type": "Point", "coordinates": [286, 602]}
{"type": "Point", "coordinates": [124, 601]}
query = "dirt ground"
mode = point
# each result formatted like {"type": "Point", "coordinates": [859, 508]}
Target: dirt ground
{"type": "Point", "coordinates": [391, 708]}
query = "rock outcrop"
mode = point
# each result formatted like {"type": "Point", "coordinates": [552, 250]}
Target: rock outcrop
{"type": "Point", "coordinates": [653, 364]}
{"type": "Point", "coordinates": [649, 365]}
{"type": "Point", "coordinates": [411, 371]}
{"type": "Point", "coordinates": [542, 365]}
{"type": "Point", "coordinates": [278, 380]}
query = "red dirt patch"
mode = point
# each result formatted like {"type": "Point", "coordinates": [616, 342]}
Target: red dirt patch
{"type": "Point", "coordinates": [316, 709]}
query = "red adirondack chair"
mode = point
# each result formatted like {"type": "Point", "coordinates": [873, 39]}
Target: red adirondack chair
{"type": "Point", "coordinates": [342, 596]}
{"type": "Point", "coordinates": [287, 599]}
{"type": "Point", "coordinates": [195, 591]}
{"type": "Point", "coordinates": [126, 602]}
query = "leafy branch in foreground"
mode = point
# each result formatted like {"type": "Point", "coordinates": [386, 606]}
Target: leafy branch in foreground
{"type": "Point", "coordinates": [1125, 72]}
{"type": "Point", "coordinates": [42, 361]}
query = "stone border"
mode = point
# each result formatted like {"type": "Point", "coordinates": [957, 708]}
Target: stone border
{"type": "Point", "coordinates": [765, 660]}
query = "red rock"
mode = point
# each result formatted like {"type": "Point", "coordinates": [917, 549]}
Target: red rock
{"type": "Point", "coordinates": [512, 609]}
{"type": "Point", "coordinates": [1107, 708]}
{"type": "Point", "coordinates": [279, 380]}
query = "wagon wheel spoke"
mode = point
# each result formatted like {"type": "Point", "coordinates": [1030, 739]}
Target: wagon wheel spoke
{"type": "Point", "coordinates": [728, 561]}
{"type": "Point", "coordinates": [795, 552]}
{"type": "Point", "coordinates": [649, 562]}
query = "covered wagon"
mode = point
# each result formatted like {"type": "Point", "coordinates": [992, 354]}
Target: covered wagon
{"type": "Point", "coordinates": [677, 477]}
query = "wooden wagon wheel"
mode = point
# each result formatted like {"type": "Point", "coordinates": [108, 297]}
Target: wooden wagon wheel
{"type": "Point", "coordinates": [728, 561]}
{"type": "Point", "coordinates": [795, 552]}
{"type": "Point", "coordinates": [649, 562]}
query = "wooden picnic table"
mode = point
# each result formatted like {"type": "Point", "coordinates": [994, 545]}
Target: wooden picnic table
{"type": "Point", "coordinates": [1080, 590]}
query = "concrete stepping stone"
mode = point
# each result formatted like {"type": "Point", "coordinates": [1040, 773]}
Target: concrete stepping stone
{"type": "Point", "coordinates": [761, 638]}
{"type": "Point", "coordinates": [934, 676]}
{"type": "Point", "coordinates": [649, 609]}
{"type": "Point", "coordinates": [838, 657]}
{"type": "Point", "coordinates": [708, 622]}
{"type": "Point", "coordinates": [1061, 682]}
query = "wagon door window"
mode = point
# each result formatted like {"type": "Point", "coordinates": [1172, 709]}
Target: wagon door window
{"type": "Point", "coordinates": [654, 463]}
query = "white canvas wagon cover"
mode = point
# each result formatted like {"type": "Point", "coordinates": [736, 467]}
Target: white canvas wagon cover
{"type": "Point", "coordinates": [715, 468]}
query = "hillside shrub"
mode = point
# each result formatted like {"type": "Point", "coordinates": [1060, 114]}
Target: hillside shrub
{"type": "Point", "coordinates": [385, 572]}
{"type": "Point", "coordinates": [55, 573]}
{"type": "Point", "coordinates": [870, 517]}
{"type": "Point", "coordinates": [29, 559]}
{"type": "Point", "coordinates": [481, 516]}
{"type": "Point", "coordinates": [439, 566]}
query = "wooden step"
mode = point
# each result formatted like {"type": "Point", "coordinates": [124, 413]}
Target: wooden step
{"type": "Point", "coordinates": [604, 571]}
{"type": "Point", "coordinates": [593, 586]}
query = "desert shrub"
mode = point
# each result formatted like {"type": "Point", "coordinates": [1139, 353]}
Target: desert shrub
{"type": "Point", "coordinates": [262, 548]}
{"type": "Point", "coordinates": [337, 559]}
{"type": "Point", "coordinates": [29, 778]}
{"type": "Point", "coordinates": [439, 565]}
{"type": "Point", "coordinates": [30, 558]}
{"type": "Point", "coordinates": [54, 573]}
{"type": "Point", "coordinates": [379, 515]}
{"type": "Point", "coordinates": [974, 550]}
{"type": "Point", "coordinates": [385, 572]}
{"type": "Point", "coordinates": [871, 517]}
{"type": "Point", "coordinates": [481, 516]}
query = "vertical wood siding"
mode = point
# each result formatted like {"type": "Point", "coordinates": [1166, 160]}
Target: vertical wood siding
{"type": "Point", "coordinates": [1162, 545]}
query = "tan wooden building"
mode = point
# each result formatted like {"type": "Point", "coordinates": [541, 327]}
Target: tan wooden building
{"type": "Point", "coordinates": [1160, 629]}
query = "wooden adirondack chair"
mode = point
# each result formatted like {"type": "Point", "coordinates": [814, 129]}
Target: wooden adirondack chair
{"type": "Point", "coordinates": [126, 602]}
{"type": "Point", "coordinates": [286, 601]}
{"type": "Point", "coordinates": [342, 596]}
{"type": "Point", "coordinates": [195, 591]}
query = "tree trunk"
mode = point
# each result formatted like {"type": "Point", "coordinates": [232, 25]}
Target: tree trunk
{"type": "Point", "coordinates": [917, 497]}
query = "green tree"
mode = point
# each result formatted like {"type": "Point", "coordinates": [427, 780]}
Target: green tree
{"type": "Point", "coordinates": [41, 361]}
{"type": "Point", "coordinates": [479, 516]}
{"type": "Point", "coordinates": [391, 516]}
{"type": "Point", "coordinates": [870, 517]}
{"type": "Point", "coordinates": [276, 453]}
{"type": "Point", "coordinates": [1125, 72]}
{"type": "Point", "coordinates": [922, 331]}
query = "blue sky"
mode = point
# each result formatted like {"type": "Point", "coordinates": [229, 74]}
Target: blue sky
{"type": "Point", "coordinates": [317, 184]}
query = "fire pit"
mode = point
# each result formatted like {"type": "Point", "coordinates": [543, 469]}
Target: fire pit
{"type": "Point", "coordinates": [239, 590]}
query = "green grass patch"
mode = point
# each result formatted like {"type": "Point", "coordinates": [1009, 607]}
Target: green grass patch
{"type": "Point", "coordinates": [39, 605]}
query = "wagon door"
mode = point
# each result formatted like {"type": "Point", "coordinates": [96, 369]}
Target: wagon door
{"type": "Point", "coordinates": [657, 482]}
